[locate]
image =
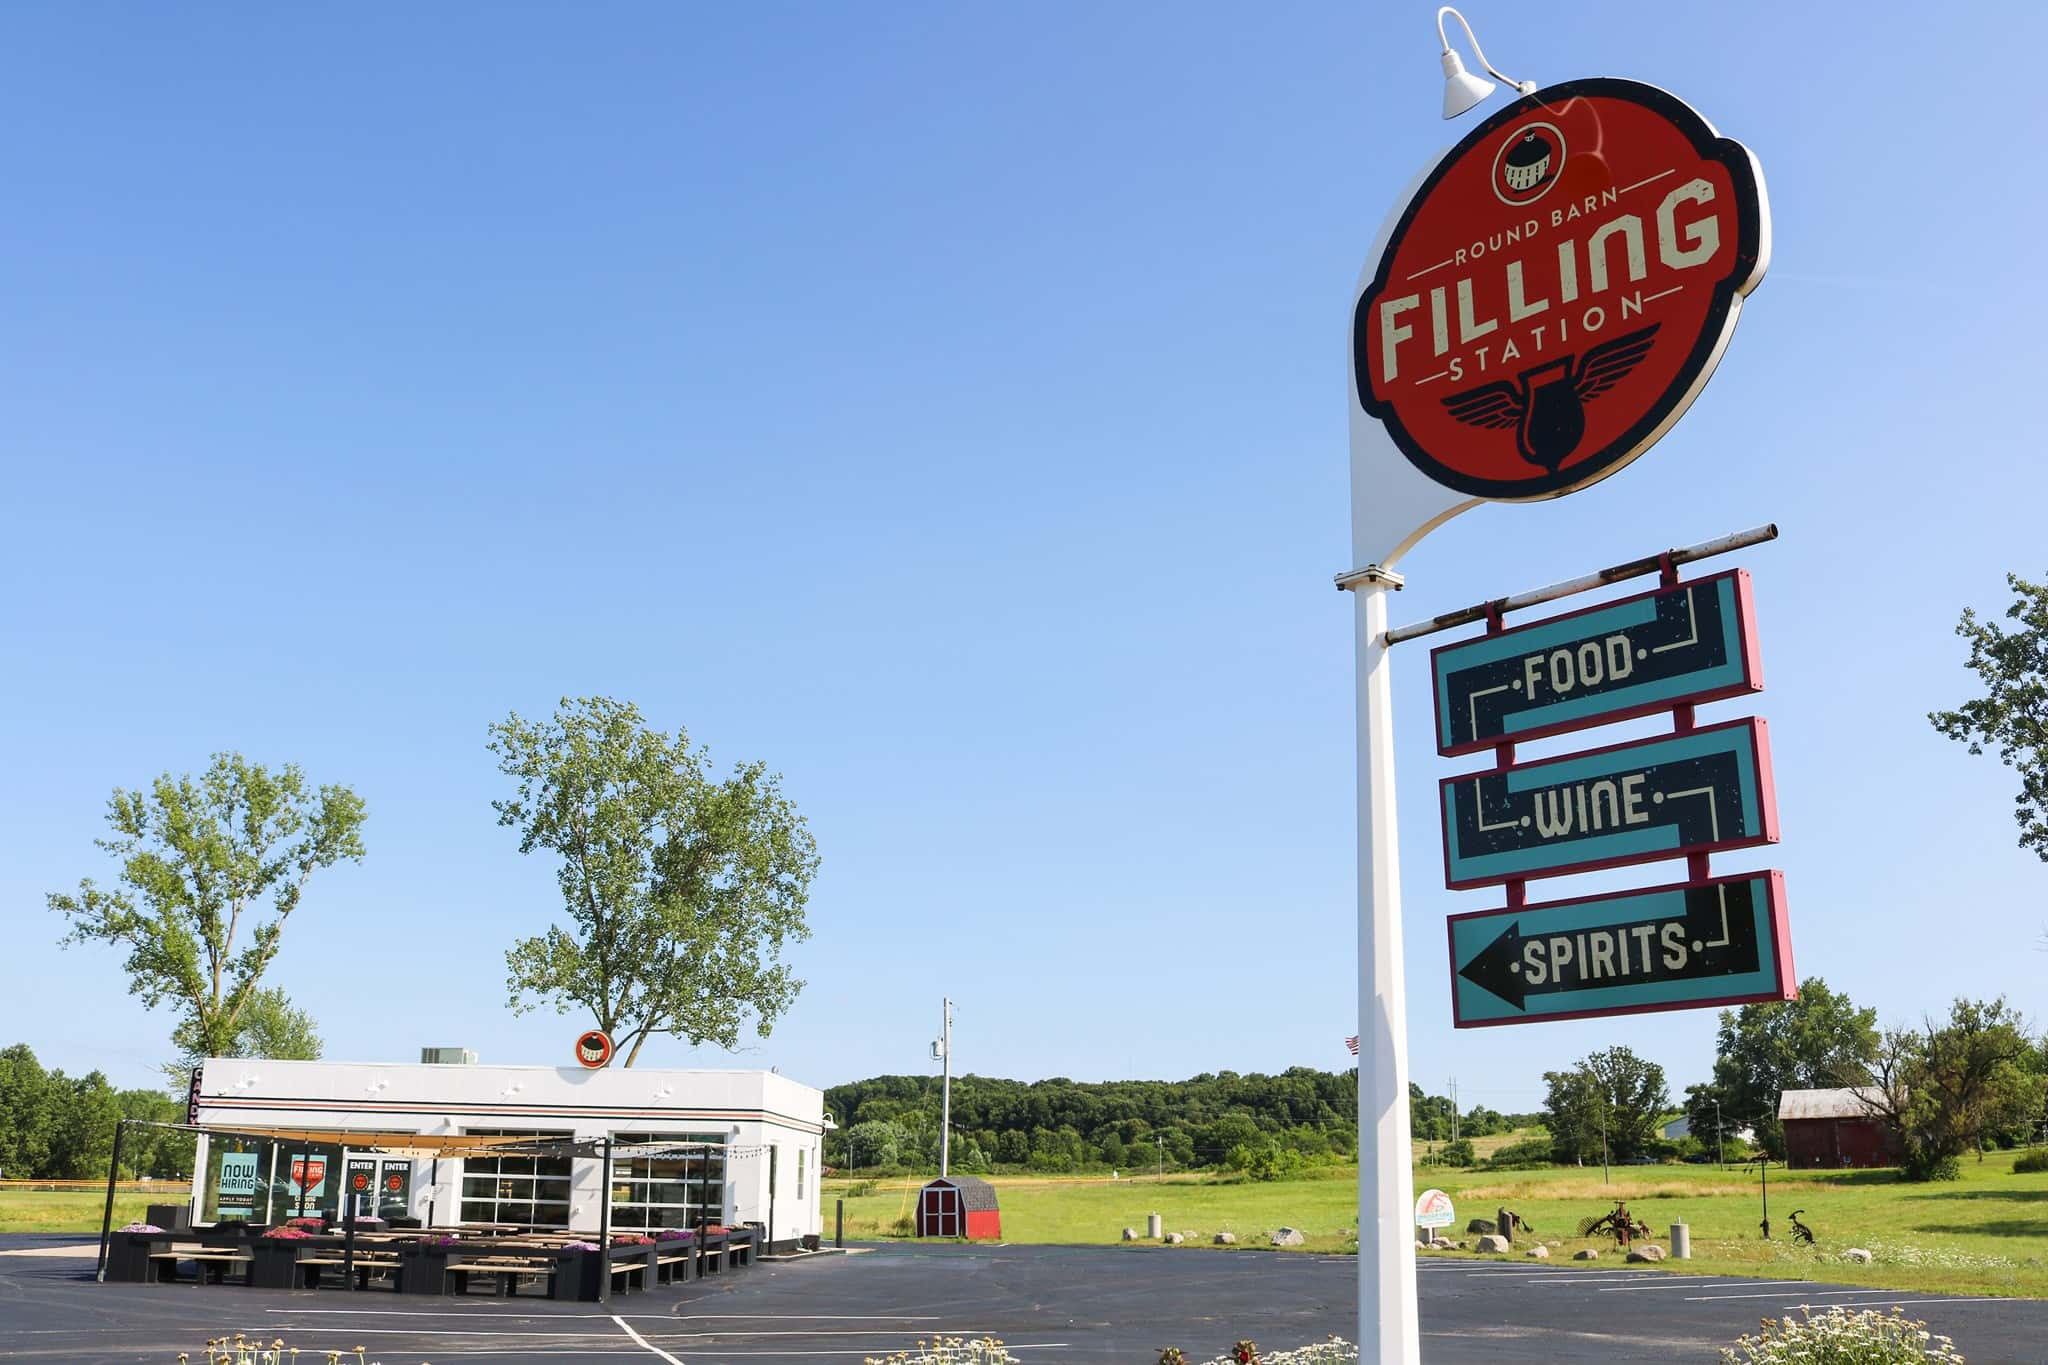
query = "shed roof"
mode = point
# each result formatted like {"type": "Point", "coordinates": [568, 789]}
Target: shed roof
{"type": "Point", "coordinates": [975, 1195]}
{"type": "Point", "coordinates": [1852, 1102]}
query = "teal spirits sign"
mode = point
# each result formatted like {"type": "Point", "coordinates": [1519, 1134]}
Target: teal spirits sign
{"type": "Point", "coordinates": [1685, 644]}
{"type": "Point", "coordinates": [1713, 943]}
{"type": "Point", "coordinates": [1700, 791]}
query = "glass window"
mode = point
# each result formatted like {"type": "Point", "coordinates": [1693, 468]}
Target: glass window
{"type": "Point", "coordinates": [799, 1172]}
{"type": "Point", "coordinates": [530, 1191]}
{"type": "Point", "coordinates": [306, 1181]}
{"type": "Point", "coordinates": [235, 1186]}
{"type": "Point", "coordinates": [683, 1186]}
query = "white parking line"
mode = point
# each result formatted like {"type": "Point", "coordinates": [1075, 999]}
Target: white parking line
{"type": "Point", "coordinates": [1915, 1303]}
{"type": "Point", "coordinates": [1724, 1284]}
{"type": "Point", "coordinates": [627, 1328]}
{"type": "Point", "coordinates": [1783, 1294]}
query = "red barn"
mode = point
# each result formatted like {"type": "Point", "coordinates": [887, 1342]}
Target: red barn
{"type": "Point", "coordinates": [959, 1206]}
{"type": "Point", "coordinates": [1826, 1129]}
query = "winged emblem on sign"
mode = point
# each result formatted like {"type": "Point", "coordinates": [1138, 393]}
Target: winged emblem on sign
{"type": "Point", "coordinates": [1546, 405]}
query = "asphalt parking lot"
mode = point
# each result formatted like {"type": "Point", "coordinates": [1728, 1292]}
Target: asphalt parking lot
{"type": "Point", "coordinates": [1048, 1303]}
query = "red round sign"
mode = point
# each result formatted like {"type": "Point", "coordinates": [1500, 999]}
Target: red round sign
{"type": "Point", "coordinates": [594, 1047]}
{"type": "Point", "coordinates": [1559, 289]}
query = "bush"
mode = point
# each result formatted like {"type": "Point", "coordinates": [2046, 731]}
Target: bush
{"type": "Point", "coordinates": [1867, 1337]}
{"type": "Point", "coordinates": [1458, 1153]}
{"type": "Point", "coordinates": [2031, 1164]}
{"type": "Point", "coordinates": [1526, 1155]}
{"type": "Point", "coordinates": [1924, 1165]}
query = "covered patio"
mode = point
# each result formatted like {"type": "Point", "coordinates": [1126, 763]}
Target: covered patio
{"type": "Point", "coordinates": [356, 1249]}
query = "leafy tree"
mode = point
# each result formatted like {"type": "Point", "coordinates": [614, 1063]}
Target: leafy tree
{"type": "Point", "coordinates": [1945, 1086]}
{"type": "Point", "coordinates": [83, 1116]}
{"type": "Point", "coordinates": [1482, 1122]}
{"type": "Point", "coordinates": [1458, 1153]}
{"type": "Point", "coordinates": [2012, 715]}
{"type": "Point", "coordinates": [160, 1153]}
{"type": "Point", "coordinates": [876, 1143]}
{"type": "Point", "coordinates": [1119, 1124]}
{"type": "Point", "coordinates": [683, 889]}
{"type": "Point", "coordinates": [1702, 1113]}
{"type": "Point", "coordinates": [1612, 1094]}
{"type": "Point", "coordinates": [203, 861]}
{"type": "Point", "coordinates": [1818, 1042]}
{"type": "Point", "coordinates": [26, 1101]}
{"type": "Point", "coordinates": [270, 1026]}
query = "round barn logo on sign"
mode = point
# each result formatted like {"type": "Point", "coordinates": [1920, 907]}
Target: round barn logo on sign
{"type": "Point", "coordinates": [1559, 289]}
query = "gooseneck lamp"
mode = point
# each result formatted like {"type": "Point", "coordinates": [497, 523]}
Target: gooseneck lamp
{"type": "Point", "coordinates": [1462, 89]}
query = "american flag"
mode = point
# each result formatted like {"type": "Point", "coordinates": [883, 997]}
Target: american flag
{"type": "Point", "coordinates": [1352, 1043]}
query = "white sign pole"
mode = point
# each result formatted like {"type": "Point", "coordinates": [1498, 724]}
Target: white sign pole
{"type": "Point", "coordinates": [1393, 506]}
{"type": "Point", "coordinates": [1387, 1326]}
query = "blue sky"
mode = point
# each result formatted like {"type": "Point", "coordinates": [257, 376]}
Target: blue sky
{"type": "Point", "coordinates": [947, 406]}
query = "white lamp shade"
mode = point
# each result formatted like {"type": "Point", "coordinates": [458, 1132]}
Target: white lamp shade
{"type": "Point", "coordinates": [1462, 89]}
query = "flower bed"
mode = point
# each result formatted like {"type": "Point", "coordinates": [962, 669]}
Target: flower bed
{"type": "Point", "coordinates": [1866, 1337]}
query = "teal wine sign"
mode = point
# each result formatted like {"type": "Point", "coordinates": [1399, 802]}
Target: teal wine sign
{"type": "Point", "coordinates": [1701, 791]}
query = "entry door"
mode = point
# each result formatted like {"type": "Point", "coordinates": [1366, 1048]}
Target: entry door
{"type": "Point", "coordinates": [942, 1212]}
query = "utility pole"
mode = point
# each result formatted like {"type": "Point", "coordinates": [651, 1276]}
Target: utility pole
{"type": "Point", "coordinates": [944, 1047]}
{"type": "Point", "coordinates": [1603, 1129]}
{"type": "Point", "coordinates": [1720, 1157]}
{"type": "Point", "coordinates": [1454, 1108]}
{"type": "Point", "coordinates": [1160, 1138]}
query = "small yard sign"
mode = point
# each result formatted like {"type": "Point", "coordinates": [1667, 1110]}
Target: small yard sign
{"type": "Point", "coordinates": [1433, 1210]}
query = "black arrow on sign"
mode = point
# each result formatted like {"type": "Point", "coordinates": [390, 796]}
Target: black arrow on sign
{"type": "Point", "coordinates": [1716, 936]}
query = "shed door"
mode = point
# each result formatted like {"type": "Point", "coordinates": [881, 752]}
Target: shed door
{"type": "Point", "coordinates": [941, 1212]}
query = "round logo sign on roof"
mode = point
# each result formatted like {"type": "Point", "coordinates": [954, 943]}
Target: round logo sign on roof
{"type": "Point", "coordinates": [1559, 289]}
{"type": "Point", "coordinates": [593, 1047]}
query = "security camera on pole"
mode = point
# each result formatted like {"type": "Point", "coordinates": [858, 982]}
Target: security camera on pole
{"type": "Point", "coordinates": [1539, 308]}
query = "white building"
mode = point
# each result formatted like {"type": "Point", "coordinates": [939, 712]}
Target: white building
{"type": "Point", "coordinates": [753, 1156]}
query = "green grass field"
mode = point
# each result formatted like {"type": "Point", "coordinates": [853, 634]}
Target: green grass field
{"type": "Point", "coordinates": [69, 1210]}
{"type": "Point", "coordinates": [1984, 1234]}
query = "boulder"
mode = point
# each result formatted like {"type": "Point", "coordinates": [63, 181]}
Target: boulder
{"type": "Point", "coordinates": [1173, 1239]}
{"type": "Point", "coordinates": [1554, 1244]}
{"type": "Point", "coordinates": [1858, 1255]}
{"type": "Point", "coordinates": [1287, 1237]}
{"type": "Point", "coordinates": [1130, 1234]}
{"type": "Point", "coordinates": [1421, 1245]}
{"type": "Point", "coordinates": [1494, 1243]}
{"type": "Point", "coordinates": [1441, 1243]}
{"type": "Point", "coordinates": [1226, 1239]}
{"type": "Point", "coordinates": [1648, 1252]}
{"type": "Point", "coordinates": [1539, 1252]}
{"type": "Point", "coordinates": [1480, 1225]}
{"type": "Point", "coordinates": [1589, 1254]}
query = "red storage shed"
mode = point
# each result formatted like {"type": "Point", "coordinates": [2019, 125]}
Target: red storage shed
{"type": "Point", "coordinates": [959, 1206]}
{"type": "Point", "coordinates": [1827, 1129]}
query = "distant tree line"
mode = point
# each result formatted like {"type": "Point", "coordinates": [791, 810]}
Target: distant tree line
{"type": "Point", "coordinates": [1260, 1124]}
{"type": "Point", "coordinates": [59, 1127]}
